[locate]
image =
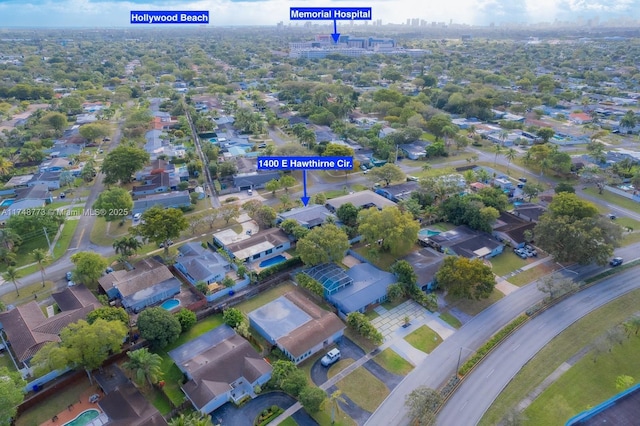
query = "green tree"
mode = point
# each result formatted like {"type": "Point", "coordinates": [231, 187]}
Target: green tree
{"type": "Point", "coordinates": [144, 365]}
{"type": "Point", "coordinates": [227, 168]}
{"type": "Point", "coordinates": [161, 225]}
{"type": "Point", "coordinates": [312, 398]}
{"type": "Point", "coordinates": [532, 190]}
{"type": "Point", "coordinates": [564, 187]}
{"type": "Point", "coordinates": [423, 404]}
{"type": "Point", "coordinates": [89, 267]}
{"type": "Point", "coordinates": [387, 174]}
{"type": "Point", "coordinates": [94, 131]}
{"type": "Point", "coordinates": [281, 370]}
{"type": "Point", "coordinates": [272, 186]}
{"type": "Point", "coordinates": [286, 182]}
{"type": "Point", "coordinates": [251, 206]}
{"type": "Point", "coordinates": [126, 246]}
{"type": "Point", "coordinates": [12, 274]}
{"type": "Point", "coordinates": [510, 155]}
{"type": "Point", "coordinates": [265, 217]}
{"type": "Point", "coordinates": [333, 402]}
{"type": "Point", "coordinates": [11, 394]}
{"type": "Point", "coordinates": [42, 258]}
{"type": "Point", "coordinates": [323, 244]}
{"type": "Point", "coordinates": [437, 123]}
{"type": "Point", "coordinates": [186, 318]}
{"type": "Point", "coordinates": [629, 120]}
{"type": "Point", "coordinates": [120, 164]}
{"type": "Point", "coordinates": [546, 133]}
{"type": "Point", "coordinates": [114, 204]}
{"type": "Point", "coordinates": [466, 278]}
{"type": "Point", "coordinates": [348, 214]}
{"type": "Point", "coordinates": [57, 121]}
{"type": "Point", "coordinates": [393, 230]}
{"type": "Point", "coordinates": [195, 418]}
{"type": "Point", "coordinates": [406, 275]}
{"type": "Point", "coordinates": [109, 313]}
{"type": "Point", "coordinates": [228, 212]}
{"type": "Point", "coordinates": [573, 231]}
{"type": "Point", "coordinates": [82, 345]}
{"type": "Point", "coordinates": [159, 327]}
{"type": "Point", "coordinates": [232, 317]}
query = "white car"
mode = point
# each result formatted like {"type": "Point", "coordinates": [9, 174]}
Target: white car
{"type": "Point", "coordinates": [330, 358]}
{"type": "Point", "coordinates": [137, 216]}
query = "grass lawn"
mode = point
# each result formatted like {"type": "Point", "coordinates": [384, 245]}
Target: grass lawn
{"type": "Point", "coordinates": [289, 422]}
{"type": "Point", "coordinates": [382, 260]}
{"type": "Point", "coordinates": [65, 238]}
{"type": "Point", "coordinates": [26, 293]}
{"type": "Point", "coordinates": [450, 319]}
{"type": "Point", "coordinates": [393, 363]}
{"type": "Point", "coordinates": [506, 262]}
{"type": "Point", "coordinates": [390, 304]}
{"type": "Point", "coordinates": [560, 349]}
{"type": "Point", "coordinates": [371, 314]}
{"type": "Point", "coordinates": [53, 405]}
{"type": "Point", "coordinates": [525, 277]}
{"type": "Point", "coordinates": [335, 193]}
{"type": "Point", "coordinates": [103, 235]}
{"type": "Point", "coordinates": [356, 338]}
{"type": "Point", "coordinates": [631, 238]}
{"type": "Point", "coordinates": [266, 297]}
{"type": "Point", "coordinates": [364, 389]}
{"type": "Point", "coordinates": [442, 226]}
{"type": "Point", "coordinates": [339, 366]}
{"type": "Point", "coordinates": [474, 307]}
{"type": "Point", "coordinates": [424, 339]}
{"type": "Point", "coordinates": [323, 417]}
{"type": "Point", "coordinates": [586, 384]}
{"type": "Point", "coordinates": [5, 361]}
{"type": "Point", "coordinates": [612, 198]}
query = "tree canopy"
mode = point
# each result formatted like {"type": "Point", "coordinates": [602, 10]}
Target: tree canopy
{"type": "Point", "coordinates": [161, 225]}
{"type": "Point", "coordinates": [159, 327]}
{"type": "Point", "coordinates": [120, 164]}
{"type": "Point", "coordinates": [387, 174]}
{"type": "Point", "coordinates": [109, 313]}
{"type": "Point", "coordinates": [323, 244]}
{"type": "Point", "coordinates": [466, 278]}
{"type": "Point", "coordinates": [11, 394]}
{"type": "Point", "coordinates": [89, 266]}
{"type": "Point", "coordinates": [395, 231]}
{"type": "Point", "coordinates": [113, 204]}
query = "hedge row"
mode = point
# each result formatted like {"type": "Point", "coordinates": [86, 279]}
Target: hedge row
{"type": "Point", "coordinates": [283, 266]}
{"type": "Point", "coordinates": [310, 284]}
{"type": "Point", "coordinates": [490, 344]}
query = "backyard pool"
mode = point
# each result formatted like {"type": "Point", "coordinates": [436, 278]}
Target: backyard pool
{"type": "Point", "coordinates": [83, 418]}
{"type": "Point", "coordinates": [428, 232]}
{"type": "Point", "coordinates": [273, 261]}
{"type": "Point", "coordinates": [213, 140]}
{"type": "Point", "coordinates": [6, 203]}
{"type": "Point", "coordinates": [170, 304]}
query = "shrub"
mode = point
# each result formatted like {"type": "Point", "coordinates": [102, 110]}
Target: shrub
{"type": "Point", "coordinates": [310, 284]}
{"type": "Point", "coordinates": [231, 199]}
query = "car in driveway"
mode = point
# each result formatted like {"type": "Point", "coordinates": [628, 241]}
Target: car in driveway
{"type": "Point", "coordinates": [69, 276]}
{"type": "Point", "coordinates": [330, 358]}
{"type": "Point", "coordinates": [521, 253]}
{"type": "Point", "coordinates": [616, 261]}
{"type": "Point", "coordinates": [169, 243]}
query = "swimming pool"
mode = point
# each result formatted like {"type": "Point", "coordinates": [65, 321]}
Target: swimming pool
{"type": "Point", "coordinates": [428, 232]}
{"type": "Point", "coordinates": [213, 140]}
{"type": "Point", "coordinates": [170, 304]}
{"type": "Point", "coordinates": [84, 418]}
{"type": "Point", "coordinates": [7, 203]}
{"type": "Point", "coordinates": [273, 261]}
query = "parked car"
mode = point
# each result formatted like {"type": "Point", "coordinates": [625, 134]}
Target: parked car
{"type": "Point", "coordinates": [69, 276]}
{"type": "Point", "coordinates": [250, 191]}
{"type": "Point", "coordinates": [62, 195]}
{"type": "Point", "coordinates": [70, 283]}
{"type": "Point", "coordinates": [521, 253]}
{"type": "Point", "coordinates": [108, 270]}
{"type": "Point", "coordinates": [533, 251]}
{"type": "Point", "coordinates": [520, 185]}
{"type": "Point", "coordinates": [612, 216]}
{"type": "Point", "coordinates": [523, 179]}
{"type": "Point", "coordinates": [330, 358]}
{"type": "Point", "coordinates": [137, 216]}
{"type": "Point", "coordinates": [616, 261]}
{"type": "Point", "coordinates": [262, 145]}
{"type": "Point", "coordinates": [412, 179]}
{"type": "Point", "coordinates": [169, 243]}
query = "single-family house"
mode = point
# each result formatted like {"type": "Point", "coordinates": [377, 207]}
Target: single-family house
{"type": "Point", "coordinates": [260, 246]}
{"type": "Point", "coordinates": [19, 181]}
{"type": "Point", "coordinates": [220, 366]}
{"type": "Point", "coordinates": [425, 262]}
{"type": "Point", "coordinates": [355, 290]}
{"type": "Point", "coordinates": [154, 143]}
{"type": "Point", "coordinates": [148, 283]}
{"type": "Point", "coordinates": [254, 180]}
{"type": "Point", "coordinates": [464, 241]}
{"type": "Point", "coordinates": [529, 211]}
{"type": "Point", "coordinates": [173, 199]}
{"type": "Point", "coordinates": [511, 228]}
{"type": "Point", "coordinates": [503, 183]}
{"type": "Point", "coordinates": [27, 329]}
{"type": "Point", "coordinates": [55, 165]}
{"type": "Point", "coordinates": [19, 206]}
{"type": "Point", "coordinates": [158, 165]}
{"type": "Point", "coordinates": [386, 131]}
{"type": "Point", "coordinates": [362, 199]}
{"type": "Point", "coordinates": [296, 325]}
{"type": "Point", "coordinates": [308, 216]}
{"type": "Point", "coordinates": [86, 118]}
{"type": "Point", "coordinates": [155, 183]}
{"type": "Point", "coordinates": [415, 150]}
{"type": "Point", "coordinates": [580, 118]}
{"type": "Point", "coordinates": [197, 263]}
{"type": "Point", "coordinates": [51, 179]}
{"type": "Point", "coordinates": [398, 192]}
{"type": "Point", "coordinates": [61, 149]}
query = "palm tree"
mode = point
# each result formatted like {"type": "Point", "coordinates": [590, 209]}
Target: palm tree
{"type": "Point", "coordinates": [127, 246]}
{"type": "Point", "coordinates": [193, 419]}
{"type": "Point", "coordinates": [144, 365]}
{"type": "Point", "coordinates": [5, 166]}
{"type": "Point", "coordinates": [12, 275]}
{"type": "Point", "coordinates": [334, 399]}
{"type": "Point", "coordinates": [510, 155]}
{"type": "Point", "coordinates": [42, 258]}
{"type": "Point", "coordinates": [449, 132]}
{"type": "Point", "coordinates": [498, 150]}
{"type": "Point", "coordinates": [629, 120]}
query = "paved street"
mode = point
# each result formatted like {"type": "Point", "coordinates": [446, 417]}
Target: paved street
{"type": "Point", "coordinates": [481, 387]}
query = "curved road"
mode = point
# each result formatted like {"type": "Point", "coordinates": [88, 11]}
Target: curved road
{"type": "Point", "coordinates": [441, 364]}
{"type": "Point", "coordinates": [478, 391]}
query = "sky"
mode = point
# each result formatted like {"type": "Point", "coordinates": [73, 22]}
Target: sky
{"type": "Point", "coordinates": [115, 13]}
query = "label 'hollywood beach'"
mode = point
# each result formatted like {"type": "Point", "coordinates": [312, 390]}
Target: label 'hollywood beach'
{"type": "Point", "coordinates": [169, 17]}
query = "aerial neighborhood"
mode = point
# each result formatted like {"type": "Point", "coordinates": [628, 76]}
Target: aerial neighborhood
{"type": "Point", "coordinates": [478, 253]}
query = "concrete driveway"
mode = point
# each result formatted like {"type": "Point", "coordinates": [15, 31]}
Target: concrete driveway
{"type": "Point", "coordinates": [230, 415]}
{"type": "Point", "coordinates": [348, 349]}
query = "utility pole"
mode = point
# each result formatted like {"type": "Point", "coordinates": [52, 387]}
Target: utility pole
{"type": "Point", "coordinates": [48, 241]}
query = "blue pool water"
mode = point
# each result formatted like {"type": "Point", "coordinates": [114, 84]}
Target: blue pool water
{"type": "Point", "coordinates": [6, 203]}
{"type": "Point", "coordinates": [83, 418]}
{"type": "Point", "coordinates": [273, 261]}
{"type": "Point", "coordinates": [517, 203]}
{"type": "Point", "coordinates": [428, 232]}
{"type": "Point", "coordinates": [170, 304]}
{"type": "Point", "coordinates": [213, 140]}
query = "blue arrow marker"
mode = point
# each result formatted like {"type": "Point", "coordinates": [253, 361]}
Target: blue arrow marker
{"type": "Point", "coordinates": [336, 35]}
{"type": "Point", "coordinates": [305, 199]}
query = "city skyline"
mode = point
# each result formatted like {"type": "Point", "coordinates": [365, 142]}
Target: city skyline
{"type": "Point", "coordinates": [115, 13]}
